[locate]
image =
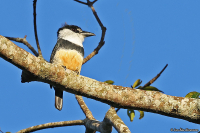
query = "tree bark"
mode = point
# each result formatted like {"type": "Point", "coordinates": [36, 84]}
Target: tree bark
{"type": "Point", "coordinates": [116, 96]}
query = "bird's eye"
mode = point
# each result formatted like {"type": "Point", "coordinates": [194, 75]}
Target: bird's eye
{"type": "Point", "coordinates": [74, 30]}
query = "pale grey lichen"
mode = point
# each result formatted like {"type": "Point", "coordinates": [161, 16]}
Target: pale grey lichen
{"type": "Point", "coordinates": [4, 46]}
{"type": "Point", "coordinates": [29, 58]}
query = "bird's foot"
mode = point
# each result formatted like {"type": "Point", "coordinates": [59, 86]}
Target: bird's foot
{"type": "Point", "coordinates": [64, 67]}
{"type": "Point", "coordinates": [77, 72]}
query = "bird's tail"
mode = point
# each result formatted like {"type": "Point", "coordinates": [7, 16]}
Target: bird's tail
{"type": "Point", "coordinates": [58, 98]}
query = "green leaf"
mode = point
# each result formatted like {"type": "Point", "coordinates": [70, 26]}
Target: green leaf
{"type": "Point", "coordinates": [196, 95]}
{"type": "Point", "coordinates": [193, 94]}
{"type": "Point", "coordinates": [140, 87]}
{"type": "Point", "coordinates": [137, 83]}
{"type": "Point", "coordinates": [151, 88]}
{"type": "Point", "coordinates": [109, 82]}
{"type": "Point", "coordinates": [141, 114]}
{"type": "Point", "coordinates": [131, 114]}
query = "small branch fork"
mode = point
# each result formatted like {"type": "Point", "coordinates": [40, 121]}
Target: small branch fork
{"type": "Point", "coordinates": [111, 119]}
{"type": "Point", "coordinates": [25, 42]}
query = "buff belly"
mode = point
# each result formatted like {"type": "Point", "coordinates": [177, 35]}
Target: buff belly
{"type": "Point", "coordinates": [71, 59]}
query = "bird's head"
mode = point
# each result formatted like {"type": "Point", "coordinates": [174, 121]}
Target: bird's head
{"type": "Point", "coordinates": [73, 34]}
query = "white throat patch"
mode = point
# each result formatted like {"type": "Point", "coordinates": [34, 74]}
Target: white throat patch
{"type": "Point", "coordinates": [71, 36]}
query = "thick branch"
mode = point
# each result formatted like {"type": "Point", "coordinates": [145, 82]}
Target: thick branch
{"type": "Point", "coordinates": [52, 125]}
{"type": "Point", "coordinates": [113, 119]}
{"type": "Point", "coordinates": [116, 96]}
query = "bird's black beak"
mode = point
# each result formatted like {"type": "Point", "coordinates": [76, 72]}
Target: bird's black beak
{"type": "Point", "coordinates": [87, 34]}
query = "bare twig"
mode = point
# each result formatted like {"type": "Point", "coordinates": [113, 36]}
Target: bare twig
{"type": "Point", "coordinates": [81, 2]}
{"type": "Point", "coordinates": [117, 109]}
{"type": "Point", "coordinates": [154, 79]}
{"type": "Point", "coordinates": [102, 42]}
{"type": "Point", "coordinates": [93, 53]}
{"type": "Point", "coordinates": [25, 42]}
{"type": "Point", "coordinates": [52, 125]}
{"type": "Point", "coordinates": [88, 2]}
{"type": "Point", "coordinates": [84, 107]}
{"type": "Point", "coordinates": [35, 28]}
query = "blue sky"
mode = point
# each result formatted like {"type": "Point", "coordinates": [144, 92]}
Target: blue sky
{"type": "Point", "coordinates": [142, 37]}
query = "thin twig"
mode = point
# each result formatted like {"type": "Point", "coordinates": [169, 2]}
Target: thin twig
{"type": "Point", "coordinates": [84, 107]}
{"type": "Point", "coordinates": [94, 1]}
{"type": "Point", "coordinates": [25, 42]}
{"type": "Point", "coordinates": [80, 2]}
{"type": "Point", "coordinates": [102, 42]}
{"type": "Point", "coordinates": [154, 79]}
{"type": "Point", "coordinates": [117, 109]}
{"type": "Point", "coordinates": [52, 125]}
{"type": "Point", "coordinates": [35, 28]}
{"type": "Point", "coordinates": [93, 53]}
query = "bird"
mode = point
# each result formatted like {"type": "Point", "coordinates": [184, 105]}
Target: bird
{"type": "Point", "coordinates": [69, 53]}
